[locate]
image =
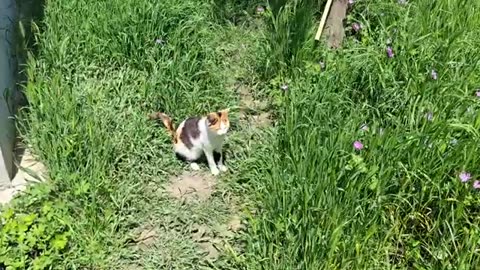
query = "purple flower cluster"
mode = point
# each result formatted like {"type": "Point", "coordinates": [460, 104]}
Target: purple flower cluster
{"type": "Point", "coordinates": [358, 145]}
{"type": "Point", "coordinates": [466, 176]}
{"type": "Point", "coordinates": [356, 27]}
{"type": "Point", "coordinates": [390, 53]}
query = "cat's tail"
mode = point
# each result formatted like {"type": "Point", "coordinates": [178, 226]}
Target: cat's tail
{"type": "Point", "coordinates": [167, 122]}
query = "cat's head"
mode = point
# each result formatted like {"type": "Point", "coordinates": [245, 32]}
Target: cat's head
{"type": "Point", "coordinates": [218, 122]}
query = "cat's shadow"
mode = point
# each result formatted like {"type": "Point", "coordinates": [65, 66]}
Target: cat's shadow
{"type": "Point", "coordinates": [203, 159]}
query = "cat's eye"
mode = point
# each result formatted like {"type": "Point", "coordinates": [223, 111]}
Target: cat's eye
{"type": "Point", "coordinates": [212, 120]}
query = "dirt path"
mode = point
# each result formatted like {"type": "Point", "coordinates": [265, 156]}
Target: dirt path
{"type": "Point", "coordinates": [195, 220]}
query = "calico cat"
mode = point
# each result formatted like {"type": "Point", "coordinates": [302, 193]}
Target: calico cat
{"type": "Point", "coordinates": [199, 136]}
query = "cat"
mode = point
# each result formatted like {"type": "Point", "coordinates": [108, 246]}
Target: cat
{"type": "Point", "coordinates": [196, 137]}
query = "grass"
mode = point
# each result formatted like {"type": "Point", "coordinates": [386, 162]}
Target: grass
{"type": "Point", "coordinates": [90, 93]}
{"type": "Point", "coordinates": [311, 200]}
{"type": "Point", "coordinates": [398, 203]}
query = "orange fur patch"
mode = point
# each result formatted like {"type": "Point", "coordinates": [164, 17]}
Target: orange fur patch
{"type": "Point", "coordinates": [176, 138]}
{"type": "Point", "coordinates": [168, 123]}
{"type": "Point", "coordinates": [216, 118]}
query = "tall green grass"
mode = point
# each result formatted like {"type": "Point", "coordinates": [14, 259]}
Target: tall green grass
{"type": "Point", "coordinates": [287, 25]}
{"type": "Point", "coordinates": [101, 68]}
{"type": "Point", "coordinates": [398, 203]}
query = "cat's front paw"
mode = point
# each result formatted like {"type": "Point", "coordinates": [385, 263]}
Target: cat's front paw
{"type": "Point", "coordinates": [194, 166]}
{"type": "Point", "coordinates": [223, 168]}
{"type": "Point", "coordinates": [215, 171]}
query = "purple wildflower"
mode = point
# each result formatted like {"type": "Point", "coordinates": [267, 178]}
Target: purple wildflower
{"type": "Point", "coordinates": [390, 53]}
{"type": "Point", "coordinates": [434, 74]}
{"type": "Point", "coordinates": [476, 184]}
{"type": "Point", "coordinates": [464, 177]}
{"type": "Point", "coordinates": [356, 27]}
{"type": "Point", "coordinates": [429, 116]}
{"type": "Point", "coordinates": [358, 145]}
{"type": "Point", "coordinates": [260, 10]}
{"type": "Point", "coordinates": [284, 87]}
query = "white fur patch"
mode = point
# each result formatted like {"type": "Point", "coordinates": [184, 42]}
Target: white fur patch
{"type": "Point", "coordinates": [207, 142]}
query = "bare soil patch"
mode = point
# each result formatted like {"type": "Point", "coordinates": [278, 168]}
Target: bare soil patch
{"type": "Point", "coordinates": [246, 98]}
{"type": "Point", "coordinates": [251, 110]}
{"type": "Point", "coordinates": [147, 236]}
{"type": "Point", "coordinates": [205, 238]}
{"type": "Point", "coordinates": [191, 186]}
{"type": "Point", "coordinates": [262, 120]}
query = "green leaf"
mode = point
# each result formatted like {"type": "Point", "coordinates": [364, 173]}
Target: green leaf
{"type": "Point", "coordinates": [8, 213]}
{"type": "Point", "coordinates": [31, 240]}
{"type": "Point", "coordinates": [28, 219]}
{"type": "Point", "coordinates": [82, 188]}
{"type": "Point", "coordinates": [47, 208]}
{"type": "Point", "coordinates": [59, 242]}
{"type": "Point", "coordinates": [38, 230]}
{"type": "Point", "coordinates": [442, 147]}
{"type": "Point", "coordinates": [22, 227]}
{"type": "Point", "coordinates": [11, 227]}
{"type": "Point", "coordinates": [42, 262]}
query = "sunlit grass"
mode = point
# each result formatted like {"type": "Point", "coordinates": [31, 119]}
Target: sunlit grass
{"type": "Point", "coordinates": [319, 200]}
{"type": "Point", "coordinates": [399, 202]}
{"type": "Point", "coordinates": [102, 67]}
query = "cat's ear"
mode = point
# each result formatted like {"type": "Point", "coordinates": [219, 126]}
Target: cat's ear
{"type": "Point", "coordinates": [224, 111]}
{"type": "Point", "coordinates": [212, 119]}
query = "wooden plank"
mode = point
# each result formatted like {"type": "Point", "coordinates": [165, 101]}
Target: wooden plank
{"type": "Point", "coordinates": [324, 18]}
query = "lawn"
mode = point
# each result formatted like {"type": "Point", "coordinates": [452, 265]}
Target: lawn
{"type": "Point", "coordinates": [359, 158]}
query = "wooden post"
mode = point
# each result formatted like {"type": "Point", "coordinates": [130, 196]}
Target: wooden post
{"type": "Point", "coordinates": [334, 27]}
